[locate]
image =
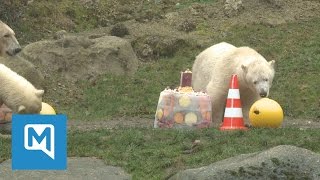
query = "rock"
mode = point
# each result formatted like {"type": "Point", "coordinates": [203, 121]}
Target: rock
{"type": "Point", "coordinates": [79, 57]}
{"type": "Point", "coordinates": [119, 30]}
{"type": "Point", "coordinates": [146, 51]}
{"type": "Point", "coordinates": [60, 34]}
{"type": "Point", "coordinates": [154, 46]}
{"type": "Point", "coordinates": [78, 168]}
{"type": "Point", "coordinates": [276, 3]}
{"type": "Point", "coordinates": [281, 162]}
{"type": "Point", "coordinates": [5, 129]}
{"type": "Point", "coordinates": [25, 69]}
{"type": "Point", "coordinates": [232, 7]}
{"type": "Point", "coordinates": [172, 18]}
{"type": "Point", "coordinates": [89, 2]}
{"type": "Point", "coordinates": [196, 9]}
{"type": "Point", "coordinates": [186, 26]}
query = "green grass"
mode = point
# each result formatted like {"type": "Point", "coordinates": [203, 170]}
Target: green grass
{"type": "Point", "coordinates": [159, 153]}
{"type": "Point", "coordinates": [133, 96]}
{"type": "Point", "coordinates": [295, 49]}
{"type": "Point", "coordinates": [296, 84]}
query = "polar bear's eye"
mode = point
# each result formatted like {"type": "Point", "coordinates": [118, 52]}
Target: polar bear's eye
{"type": "Point", "coordinates": [255, 82]}
{"type": "Point", "coordinates": [6, 35]}
{"type": "Point", "coordinates": [265, 79]}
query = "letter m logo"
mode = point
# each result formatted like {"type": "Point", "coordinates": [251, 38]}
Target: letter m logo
{"type": "Point", "coordinates": [39, 137]}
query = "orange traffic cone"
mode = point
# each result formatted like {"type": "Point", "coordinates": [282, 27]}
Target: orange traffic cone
{"type": "Point", "coordinates": [233, 118]}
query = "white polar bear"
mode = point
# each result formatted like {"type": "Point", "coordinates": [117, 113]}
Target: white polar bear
{"type": "Point", "coordinates": [212, 71]}
{"type": "Point", "coordinates": [8, 42]}
{"type": "Point", "coordinates": [18, 93]}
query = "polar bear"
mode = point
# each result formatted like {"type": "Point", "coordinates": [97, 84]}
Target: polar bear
{"type": "Point", "coordinates": [18, 93]}
{"type": "Point", "coordinates": [9, 45]}
{"type": "Point", "coordinates": [212, 71]}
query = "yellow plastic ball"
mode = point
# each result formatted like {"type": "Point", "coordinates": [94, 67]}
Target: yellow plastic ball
{"type": "Point", "coordinates": [47, 109]}
{"type": "Point", "coordinates": [266, 113]}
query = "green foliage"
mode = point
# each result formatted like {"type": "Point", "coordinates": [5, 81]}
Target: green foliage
{"type": "Point", "coordinates": [5, 144]}
{"type": "Point", "coordinates": [203, 28]}
{"type": "Point", "coordinates": [41, 18]}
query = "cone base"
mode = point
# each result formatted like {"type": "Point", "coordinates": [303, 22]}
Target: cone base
{"type": "Point", "coordinates": [233, 128]}
{"type": "Point", "coordinates": [233, 123]}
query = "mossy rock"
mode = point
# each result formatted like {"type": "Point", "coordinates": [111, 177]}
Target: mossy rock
{"type": "Point", "coordinates": [275, 163]}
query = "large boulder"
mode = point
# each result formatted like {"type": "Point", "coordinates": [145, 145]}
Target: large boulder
{"type": "Point", "coordinates": [281, 162]}
{"type": "Point", "coordinates": [76, 57]}
{"type": "Point", "coordinates": [25, 69]}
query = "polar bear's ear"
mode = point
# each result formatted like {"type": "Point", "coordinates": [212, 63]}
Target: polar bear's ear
{"type": "Point", "coordinates": [21, 109]}
{"type": "Point", "coordinates": [39, 93]}
{"type": "Point", "coordinates": [244, 68]}
{"type": "Point", "coordinates": [272, 62]}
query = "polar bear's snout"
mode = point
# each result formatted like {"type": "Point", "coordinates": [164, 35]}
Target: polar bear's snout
{"type": "Point", "coordinates": [263, 93]}
{"type": "Point", "coordinates": [9, 44]}
{"type": "Point", "coordinates": [262, 89]}
{"type": "Point", "coordinates": [13, 46]}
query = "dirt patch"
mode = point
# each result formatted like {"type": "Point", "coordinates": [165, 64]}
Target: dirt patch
{"type": "Point", "coordinates": [138, 122]}
{"type": "Point", "coordinates": [302, 123]}
{"type": "Point", "coordinates": [114, 123]}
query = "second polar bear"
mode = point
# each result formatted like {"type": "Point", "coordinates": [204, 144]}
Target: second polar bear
{"type": "Point", "coordinates": [213, 68]}
{"type": "Point", "coordinates": [8, 42]}
{"type": "Point", "coordinates": [18, 93]}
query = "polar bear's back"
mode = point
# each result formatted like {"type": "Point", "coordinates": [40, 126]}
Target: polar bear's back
{"type": "Point", "coordinates": [14, 86]}
{"type": "Point", "coordinates": [206, 63]}
{"type": "Point", "coordinates": [6, 74]}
